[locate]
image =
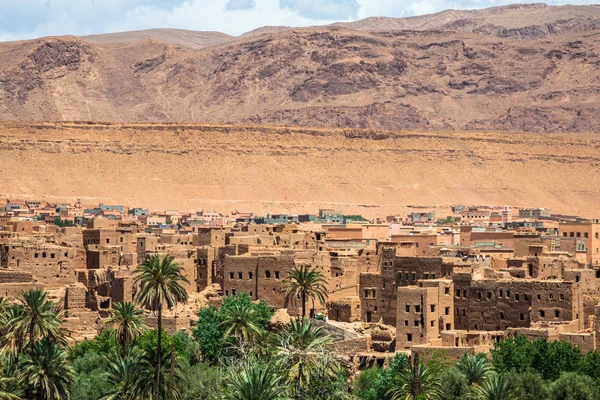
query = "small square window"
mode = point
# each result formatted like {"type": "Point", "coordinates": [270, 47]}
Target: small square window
{"type": "Point", "coordinates": [521, 317]}
{"type": "Point", "coordinates": [432, 307]}
{"type": "Point", "coordinates": [231, 275]}
{"type": "Point", "coordinates": [447, 311]}
{"type": "Point", "coordinates": [432, 323]}
{"type": "Point", "coordinates": [409, 337]}
{"type": "Point", "coordinates": [447, 290]}
{"type": "Point", "coordinates": [417, 323]}
{"type": "Point", "coordinates": [556, 314]}
{"type": "Point", "coordinates": [417, 308]}
{"type": "Point", "coordinates": [448, 327]}
{"type": "Point", "coordinates": [408, 308]}
{"type": "Point", "coordinates": [406, 322]}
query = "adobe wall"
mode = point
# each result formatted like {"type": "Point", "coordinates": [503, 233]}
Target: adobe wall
{"type": "Point", "coordinates": [345, 310]}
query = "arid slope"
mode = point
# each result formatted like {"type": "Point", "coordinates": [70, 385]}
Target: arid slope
{"type": "Point", "coordinates": [296, 169]}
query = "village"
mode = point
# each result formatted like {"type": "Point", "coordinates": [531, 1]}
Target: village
{"type": "Point", "coordinates": [416, 283]}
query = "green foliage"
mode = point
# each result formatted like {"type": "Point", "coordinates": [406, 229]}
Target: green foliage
{"type": "Point", "coordinates": [63, 223]}
{"type": "Point", "coordinates": [198, 381]}
{"type": "Point", "coordinates": [355, 217]}
{"type": "Point", "coordinates": [454, 385]}
{"type": "Point", "coordinates": [102, 344]}
{"type": "Point", "coordinates": [530, 385]}
{"type": "Point", "coordinates": [213, 324]}
{"type": "Point", "coordinates": [571, 386]}
{"type": "Point", "coordinates": [590, 365]}
{"type": "Point", "coordinates": [443, 221]}
{"type": "Point", "coordinates": [496, 387]}
{"type": "Point", "coordinates": [90, 382]}
{"type": "Point", "coordinates": [306, 282]}
{"type": "Point", "coordinates": [550, 359]}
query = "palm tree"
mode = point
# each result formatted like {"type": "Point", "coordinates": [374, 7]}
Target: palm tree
{"type": "Point", "coordinates": [496, 387]}
{"type": "Point", "coordinates": [129, 323]}
{"type": "Point", "coordinates": [241, 320]}
{"type": "Point", "coordinates": [416, 383]}
{"type": "Point", "coordinates": [253, 382]}
{"type": "Point", "coordinates": [38, 319]}
{"type": "Point", "coordinates": [475, 368]}
{"type": "Point", "coordinates": [303, 355]}
{"type": "Point", "coordinates": [160, 280]}
{"type": "Point", "coordinates": [306, 282]}
{"type": "Point", "coordinates": [12, 343]}
{"type": "Point", "coordinates": [46, 373]}
{"type": "Point", "coordinates": [124, 375]}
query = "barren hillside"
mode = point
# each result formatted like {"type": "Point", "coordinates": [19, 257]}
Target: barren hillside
{"type": "Point", "coordinates": [327, 77]}
{"type": "Point", "coordinates": [297, 169]}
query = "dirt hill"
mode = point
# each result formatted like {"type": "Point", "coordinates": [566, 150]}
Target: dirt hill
{"type": "Point", "coordinates": [165, 166]}
{"type": "Point", "coordinates": [491, 73]}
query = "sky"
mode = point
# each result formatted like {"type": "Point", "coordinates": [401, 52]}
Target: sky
{"type": "Point", "coordinates": [27, 19]}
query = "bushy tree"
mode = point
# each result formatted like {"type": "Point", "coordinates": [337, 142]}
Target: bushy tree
{"type": "Point", "coordinates": [572, 386]}
{"type": "Point", "coordinates": [530, 385]}
{"type": "Point", "coordinates": [377, 382]}
{"type": "Point", "coordinates": [237, 316]}
{"type": "Point", "coordinates": [90, 383]}
{"type": "Point", "coordinates": [454, 385]}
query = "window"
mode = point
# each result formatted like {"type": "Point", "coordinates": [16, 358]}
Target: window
{"type": "Point", "coordinates": [240, 275]}
{"type": "Point", "coordinates": [464, 312]}
{"type": "Point", "coordinates": [478, 295]}
{"type": "Point", "coordinates": [406, 276]}
{"type": "Point", "coordinates": [249, 275]}
{"type": "Point", "coordinates": [447, 290]}
{"type": "Point", "coordinates": [417, 308]}
{"type": "Point", "coordinates": [556, 314]}
{"type": "Point", "coordinates": [526, 297]}
{"type": "Point", "coordinates": [457, 292]}
{"type": "Point", "coordinates": [457, 312]}
{"type": "Point", "coordinates": [407, 308]}
{"type": "Point", "coordinates": [539, 296]}
{"type": "Point", "coordinates": [121, 239]}
{"type": "Point", "coordinates": [447, 311]}
{"type": "Point", "coordinates": [596, 235]}
{"type": "Point", "coordinates": [227, 293]}
{"type": "Point", "coordinates": [550, 296]}
{"type": "Point", "coordinates": [374, 293]}
{"type": "Point", "coordinates": [425, 276]}
{"type": "Point", "coordinates": [432, 307]}
{"type": "Point", "coordinates": [66, 254]}
{"type": "Point", "coordinates": [464, 293]}
{"type": "Point", "coordinates": [233, 292]}
{"type": "Point", "coordinates": [561, 296]}
{"type": "Point", "coordinates": [366, 293]}
{"type": "Point", "coordinates": [52, 255]}
{"type": "Point", "coordinates": [585, 235]}
{"type": "Point", "coordinates": [36, 255]}
{"type": "Point", "coordinates": [501, 315]}
{"type": "Point", "coordinates": [571, 234]}
{"type": "Point", "coordinates": [432, 323]}
{"type": "Point", "coordinates": [448, 327]}
{"type": "Point", "coordinates": [521, 317]}
{"type": "Point", "coordinates": [250, 296]}
{"type": "Point", "coordinates": [417, 323]}
{"type": "Point", "coordinates": [406, 322]}
{"type": "Point", "coordinates": [231, 275]}
{"type": "Point", "coordinates": [578, 234]}
{"type": "Point", "coordinates": [267, 274]}
{"type": "Point", "coordinates": [565, 234]}
{"type": "Point", "coordinates": [414, 276]}
{"type": "Point", "coordinates": [489, 295]}
{"type": "Point", "coordinates": [107, 240]}
{"type": "Point", "coordinates": [501, 293]}
{"type": "Point", "coordinates": [508, 294]}
{"type": "Point", "coordinates": [542, 313]}
{"type": "Point", "coordinates": [409, 337]}
{"type": "Point", "coordinates": [276, 274]}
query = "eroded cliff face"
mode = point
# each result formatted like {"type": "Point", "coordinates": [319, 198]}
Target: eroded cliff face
{"type": "Point", "coordinates": [327, 77]}
{"type": "Point", "coordinates": [263, 169]}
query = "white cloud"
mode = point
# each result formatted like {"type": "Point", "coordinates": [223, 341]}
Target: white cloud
{"type": "Point", "coordinates": [26, 19]}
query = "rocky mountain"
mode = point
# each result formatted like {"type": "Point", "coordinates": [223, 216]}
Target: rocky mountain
{"type": "Point", "coordinates": [528, 68]}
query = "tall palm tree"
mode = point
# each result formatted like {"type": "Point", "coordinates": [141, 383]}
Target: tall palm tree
{"type": "Point", "coordinates": [254, 382]}
{"type": "Point", "coordinates": [303, 355]}
{"type": "Point", "coordinates": [46, 373]}
{"type": "Point", "coordinates": [123, 374]}
{"type": "Point", "coordinates": [38, 319]}
{"type": "Point", "coordinates": [416, 383]}
{"type": "Point", "coordinates": [475, 368]}
{"type": "Point", "coordinates": [307, 282]}
{"type": "Point", "coordinates": [161, 285]}
{"type": "Point", "coordinates": [496, 387]}
{"type": "Point", "coordinates": [241, 320]}
{"type": "Point", "coordinates": [129, 323]}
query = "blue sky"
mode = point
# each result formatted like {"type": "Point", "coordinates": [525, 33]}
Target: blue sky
{"type": "Point", "coordinates": [26, 19]}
